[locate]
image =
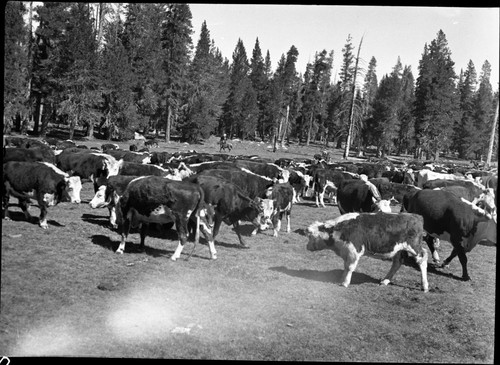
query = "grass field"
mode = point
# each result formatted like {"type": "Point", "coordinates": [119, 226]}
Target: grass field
{"type": "Point", "coordinates": [64, 292]}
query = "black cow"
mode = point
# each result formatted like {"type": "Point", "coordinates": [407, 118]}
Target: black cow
{"type": "Point", "coordinates": [26, 180]}
{"type": "Point", "coordinates": [28, 154]}
{"type": "Point", "coordinates": [452, 219]}
{"type": "Point", "coordinates": [269, 170]}
{"type": "Point", "coordinates": [153, 199]}
{"type": "Point", "coordinates": [140, 169]}
{"type": "Point", "coordinates": [252, 185]}
{"type": "Point", "coordinates": [352, 235]}
{"type": "Point", "coordinates": [360, 196]}
{"type": "Point", "coordinates": [231, 204]}
{"type": "Point", "coordinates": [131, 156]}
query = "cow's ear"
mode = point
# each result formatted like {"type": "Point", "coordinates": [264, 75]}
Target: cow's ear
{"type": "Point", "coordinates": [120, 163]}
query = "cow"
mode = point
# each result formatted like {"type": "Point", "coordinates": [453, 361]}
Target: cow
{"type": "Point", "coordinates": [41, 181]}
{"type": "Point", "coordinates": [108, 194]}
{"type": "Point", "coordinates": [426, 175]}
{"type": "Point", "coordinates": [140, 169]}
{"type": "Point", "coordinates": [131, 156]}
{"type": "Point", "coordinates": [455, 220]}
{"type": "Point", "coordinates": [360, 196]}
{"type": "Point", "coordinates": [28, 154]}
{"type": "Point", "coordinates": [109, 147]}
{"type": "Point", "coordinates": [151, 143]}
{"type": "Point", "coordinates": [152, 199]}
{"type": "Point", "coordinates": [300, 182]}
{"type": "Point", "coordinates": [398, 191]}
{"type": "Point", "coordinates": [269, 170]}
{"type": "Point", "coordinates": [231, 204]}
{"type": "Point", "coordinates": [281, 196]}
{"type": "Point", "coordinates": [352, 235]}
{"type": "Point", "coordinates": [89, 165]}
{"type": "Point", "coordinates": [324, 178]}
{"type": "Point", "coordinates": [252, 185]}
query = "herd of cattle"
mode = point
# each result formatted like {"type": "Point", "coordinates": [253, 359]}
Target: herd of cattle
{"type": "Point", "coordinates": [199, 191]}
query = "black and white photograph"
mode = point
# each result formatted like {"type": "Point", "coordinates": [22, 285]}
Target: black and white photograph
{"type": "Point", "coordinates": [249, 182]}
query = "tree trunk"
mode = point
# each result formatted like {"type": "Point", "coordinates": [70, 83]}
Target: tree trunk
{"type": "Point", "coordinates": [351, 110]}
{"type": "Point", "coordinates": [90, 130]}
{"type": "Point", "coordinates": [285, 129]}
{"type": "Point", "coordinates": [72, 126]}
{"type": "Point", "coordinates": [492, 137]}
{"type": "Point", "coordinates": [309, 129]}
{"type": "Point", "coordinates": [169, 124]}
{"type": "Point", "coordinates": [38, 113]}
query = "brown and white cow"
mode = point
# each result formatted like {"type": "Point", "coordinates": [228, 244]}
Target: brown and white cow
{"type": "Point", "coordinates": [352, 235]}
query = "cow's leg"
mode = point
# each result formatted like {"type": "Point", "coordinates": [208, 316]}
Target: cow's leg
{"type": "Point", "coordinates": [322, 198]}
{"type": "Point", "coordinates": [277, 224]}
{"type": "Point", "coordinates": [460, 252]}
{"type": "Point", "coordinates": [397, 260]}
{"type": "Point", "coordinates": [211, 243]}
{"type": "Point", "coordinates": [217, 223]}
{"type": "Point", "coordinates": [43, 216]}
{"type": "Point", "coordinates": [430, 242]}
{"type": "Point", "coordinates": [421, 260]}
{"type": "Point", "coordinates": [125, 229]}
{"type": "Point", "coordinates": [316, 195]}
{"type": "Point", "coordinates": [181, 227]}
{"type": "Point", "coordinates": [236, 227]}
{"type": "Point", "coordinates": [5, 203]}
{"type": "Point", "coordinates": [350, 263]}
{"type": "Point", "coordinates": [288, 227]}
{"type": "Point", "coordinates": [24, 204]}
{"type": "Point", "coordinates": [143, 233]}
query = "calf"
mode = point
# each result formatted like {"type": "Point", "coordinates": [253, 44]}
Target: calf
{"type": "Point", "coordinates": [231, 204]}
{"type": "Point", "coordinates": [447, 217]}
{"type": "Point", "coordinates": [324, 178]}
{"type": "Point", "coordinates": [281, 196]}
{"type": "Point", "coordinates": [42, 181]}
{"type": "Point", "coordinates": [152, 199]}
{"type": "Point", "coordinates": [352, 235]}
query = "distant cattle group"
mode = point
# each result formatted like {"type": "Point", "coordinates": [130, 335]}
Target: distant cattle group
{"type": "Point", "coordinates": [197, 192]}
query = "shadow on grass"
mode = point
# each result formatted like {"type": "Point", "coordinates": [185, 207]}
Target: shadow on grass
{"type": "Point", "coordinates": [333, 276]}
{"type": "Point", "coordinates": [20, 217]}
{"type": "Point", "coordinates": [96, 219]}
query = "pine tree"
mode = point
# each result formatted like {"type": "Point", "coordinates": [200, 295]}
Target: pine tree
{"type": "Point", "coordinates": [260, 80]}
{"type": "Point", "coordinates": [467, 89]}
{"type": "Point", "coordinates": [16, 83]}
{"type": "Point", "coordinates": [436, 98]}
{"type": "Point", "coordinates": [240, 110]}
{"type": "Point", "coordinates": [207, 90]}
{"type": "Point", "coordinates": [369, 91]}
{"type": "Point", "coordinates": [176, 45]}
{"type": "Point", "coordinates": [482, 115]}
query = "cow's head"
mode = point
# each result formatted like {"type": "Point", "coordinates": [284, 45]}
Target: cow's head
{"type": "Point", "coordinates": [265, 208]}
{"type": "Point", "coordinates": [284, 176]}
{"type": "Point", "coordinates": [111, 166]}
{"type": "Point", "coordinates": [99, 200]}
{"type": "Point", "coordinates": [73, 188]}
{"type": "Point", "coordinates": [381, 205]}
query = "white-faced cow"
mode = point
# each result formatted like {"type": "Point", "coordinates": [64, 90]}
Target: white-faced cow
{"type": "Point", "coordinates": [38, 180]}
{"type": "Point", "coordinates": [108, 194]}
{"type": "Point", "coordinates": [88, 165]}
{"type": "Point", "coordinates": [281, 198]}
{"type": "Point", "coordinates": [152, 199]}
{"type": "Point", "coordinates": [360, 196]}
{"type": "Point", "coordinates": [352, 235]}
{"type": "Point", "coordinates": [457, 221]}
{"type": "Point", "coordinates": [323, 179]}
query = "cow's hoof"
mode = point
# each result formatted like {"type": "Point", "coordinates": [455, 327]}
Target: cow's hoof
{"type": "Point", "coordinates": [44, 226]}
{"type": "Point", "coordinates": [466, 278]}
{"type": "Point", "coordinates": [173, 258]}
{"type": "Point", "coordinates": [120, 252]}
{"type": "Point", "coordinates": [385, 282]}
{"type": "Point", "coordinates": [213, 257]}
{"type": "Point", "coordinates": [244, 245]}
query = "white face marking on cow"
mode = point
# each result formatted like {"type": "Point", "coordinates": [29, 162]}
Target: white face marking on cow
{"type": "Point", "coordinates": [384, 206]}
{"type": "Point", "coordinates": [98, 201]}
{"type": "Point", "coordinates": [73, 188]}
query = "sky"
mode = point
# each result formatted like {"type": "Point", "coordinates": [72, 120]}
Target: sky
{"type": "Point", "coordinates": [387, 31]}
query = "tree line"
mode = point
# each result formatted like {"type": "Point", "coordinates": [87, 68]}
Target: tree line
{"type": "Point", "coordinates": [87, 65]}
